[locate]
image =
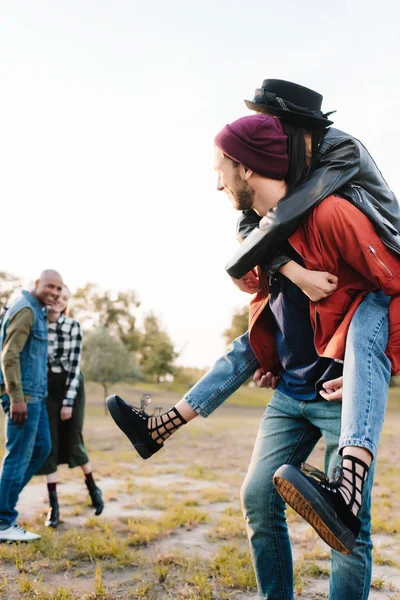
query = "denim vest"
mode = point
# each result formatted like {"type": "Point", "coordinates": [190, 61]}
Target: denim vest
{"type": "Point", "coordinates": [33, 358]}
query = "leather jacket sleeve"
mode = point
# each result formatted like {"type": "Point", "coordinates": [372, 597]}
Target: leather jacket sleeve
{"type": "Point", "coordinates": [335, 168]}
{"type": "Point", "coordinates": [248, 220]}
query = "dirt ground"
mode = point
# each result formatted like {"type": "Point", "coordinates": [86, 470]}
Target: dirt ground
{"type": "Point", "coordinates": [172, 526]}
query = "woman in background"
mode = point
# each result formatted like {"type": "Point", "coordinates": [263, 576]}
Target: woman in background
{"type": "Point", "coordinates": [65, 406]}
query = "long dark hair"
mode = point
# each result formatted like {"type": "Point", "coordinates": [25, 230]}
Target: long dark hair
{"type": "Point", "coordinates": [298, 167]}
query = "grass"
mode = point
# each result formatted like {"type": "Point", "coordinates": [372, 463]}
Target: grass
{"type": "Point", "coordinates": [186, 537]}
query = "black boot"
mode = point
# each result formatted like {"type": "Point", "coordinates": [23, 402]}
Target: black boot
{"type": "Point", "coordinates": [54, 512]}
{"type": "Point", "coordinates": [96, 497]}
{"type": "Point", "coordinates": [138, 426]}
{"type": "Point", "coordinates": [330, 507]}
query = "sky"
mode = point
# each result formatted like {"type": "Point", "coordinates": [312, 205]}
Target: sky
{"type": "Point", "coordinates": [108, 114]}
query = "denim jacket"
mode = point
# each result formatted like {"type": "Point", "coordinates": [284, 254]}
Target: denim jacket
{"type": "Point", "coordinates": [34, 354]}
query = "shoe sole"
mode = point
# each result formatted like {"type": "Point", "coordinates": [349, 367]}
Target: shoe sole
{"type": "Point", "coordinates": [298, 493]}
{"type": "Point", "coordinates": [135, 439]}
{"type": "Point", "coordinates": [8, 541]}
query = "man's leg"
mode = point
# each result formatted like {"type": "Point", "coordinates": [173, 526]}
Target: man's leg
{"type": "Point", "coordinates": [20, 442]}
{"type": "Point", "coordinates": [42, 445]}
{"type": "Point", "coordinates": [285, 435]}
{"type": "Point", "coordinates": [332, 508]}
{"type": "Point", "coordinates": [351, 573]}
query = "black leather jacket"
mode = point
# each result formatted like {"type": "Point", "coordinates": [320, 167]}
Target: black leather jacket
{"type": "Point", "coordinates": [344, 167]}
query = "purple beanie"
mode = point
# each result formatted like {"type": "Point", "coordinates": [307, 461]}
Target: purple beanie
{"type": "Point", "coordinates": [258, 143]}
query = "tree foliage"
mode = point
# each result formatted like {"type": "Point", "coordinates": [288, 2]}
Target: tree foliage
{"type": "Point", "coordinates": [239, 325]}
{"type": "Point", "coordinates": [93, 307]}
{"type": "Point", "coordinates": [106, 359]}
{"type": "Point", "coordinates": [9, 285]}
{"type": "Point", "coordinates": [157, 353]}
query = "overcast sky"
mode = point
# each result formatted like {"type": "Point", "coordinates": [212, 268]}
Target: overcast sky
{"type": "Point", "coordinates": [108, 113]}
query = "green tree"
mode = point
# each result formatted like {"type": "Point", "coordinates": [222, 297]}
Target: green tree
{"type": "Point", "coordinates": [106, 359]}
{"type": "Point", "coordinates": [239, 324]}
{"type": "Point", "coordinates": [157, 352]}
{"type": "Point", "coordinates": [93, 307]}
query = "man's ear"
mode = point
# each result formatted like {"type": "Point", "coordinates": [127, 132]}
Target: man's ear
{"type": "Point", "coordinates": [37, 282]}
{"type": "Point", "coordinates": [248, 173]}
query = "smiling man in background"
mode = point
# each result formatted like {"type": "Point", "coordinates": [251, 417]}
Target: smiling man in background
{"type": "Point", "coordinates": [23, 387]}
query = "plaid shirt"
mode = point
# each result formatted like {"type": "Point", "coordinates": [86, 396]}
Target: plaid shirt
{"type": "Point", "coordinates": [65, 347]}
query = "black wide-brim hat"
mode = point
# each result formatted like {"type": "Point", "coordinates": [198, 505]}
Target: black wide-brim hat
{"type": "Point", "coordinates": [294, 103]}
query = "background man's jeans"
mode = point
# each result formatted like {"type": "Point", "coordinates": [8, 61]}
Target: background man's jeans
{"type": "Point", "coordinates": [27, 447]}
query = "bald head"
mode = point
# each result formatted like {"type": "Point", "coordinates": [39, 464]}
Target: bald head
{"type": "Point", "coordinates": [48, 287]}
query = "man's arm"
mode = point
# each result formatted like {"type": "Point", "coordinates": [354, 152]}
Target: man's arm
{"type": "Point", "coordinates": [18, 331]}
{"type": "Point", "coordinates": [336, 168]}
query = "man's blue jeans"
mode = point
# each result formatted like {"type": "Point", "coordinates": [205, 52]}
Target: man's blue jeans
{"type": "Point", "coordinates": [289, 431]}
{"type": "Point", "coordinates": [27, 447]}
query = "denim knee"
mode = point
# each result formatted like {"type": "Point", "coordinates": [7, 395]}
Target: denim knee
{"type": "Point", "coordinates": [258, 498]}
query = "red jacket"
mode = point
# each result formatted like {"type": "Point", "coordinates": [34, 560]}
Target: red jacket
{"type": "Point", "coordinates": [338, 238]}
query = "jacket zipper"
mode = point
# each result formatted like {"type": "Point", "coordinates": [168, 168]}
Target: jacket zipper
{"type": "Point", "coordinates": [356, 189]}
{"type": "Point", "coordinates": [374, 253]}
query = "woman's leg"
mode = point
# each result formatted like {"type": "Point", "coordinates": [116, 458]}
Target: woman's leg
{"type": "Point", "coordinates": [76, 451]}
{"type": "Point", "coordinates": [366, 377]}
{"type": "Point", "coordinates": [148, 434]}
{"type": "Point", "coordinates": [53, 516]}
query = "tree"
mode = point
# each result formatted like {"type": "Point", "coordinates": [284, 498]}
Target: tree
{"type": "Point", "coordinates": [93, 307]}
{"type": "Point", "coordinates": [239, 325]}
{"type": "Point", "coordinates": [9, 284]}
{"type": "Point", "coordinates": [106, 359]}
{"type": "Point", "coordinates": [157, 352]}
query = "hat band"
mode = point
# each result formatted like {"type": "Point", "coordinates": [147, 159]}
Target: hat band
{"type": "Point", "coordinates": [275, 101]}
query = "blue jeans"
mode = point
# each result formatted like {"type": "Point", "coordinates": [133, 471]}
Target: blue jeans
{"type": "Point", "coordinates": [366, 374]}
{"type": "Point", "coordinates": [365, 367]}
{"type": "Point", "coordinates": [288, 433]}
{"type": "Point", "coordinates": [224, 378]}
{"type": "Point", "coordinates": [27, 447]}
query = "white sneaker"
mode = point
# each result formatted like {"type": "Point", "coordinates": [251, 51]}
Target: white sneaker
{"type": "Point", "coordinates": [15, 533]}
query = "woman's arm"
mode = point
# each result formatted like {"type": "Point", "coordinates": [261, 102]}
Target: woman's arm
{"type": "Point", "coordinates": [74, 360]}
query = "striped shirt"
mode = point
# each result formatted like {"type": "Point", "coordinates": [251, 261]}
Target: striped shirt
{"type": "Point", "coordinates": [65, 348]}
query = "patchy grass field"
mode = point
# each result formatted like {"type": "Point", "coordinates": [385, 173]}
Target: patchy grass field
{"type": "Point", "coordinates": [172, 527]}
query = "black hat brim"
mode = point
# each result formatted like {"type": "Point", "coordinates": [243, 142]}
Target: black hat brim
{"type": "Point", "coordinates": [290, 116]}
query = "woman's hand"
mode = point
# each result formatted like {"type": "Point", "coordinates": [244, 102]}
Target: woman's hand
{"type": "Point", "coordinates": [317, 285]}
{"type": "Point", "coordinates": [267, 380]}
{"type": "Point", "coordinates": [249, 283]}
{"type": "Point", "coordinates": [332, 390]}
{"type": "Point", "coordinates": [66, 413]}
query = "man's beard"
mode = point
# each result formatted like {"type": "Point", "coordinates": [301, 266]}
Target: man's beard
{"type": "Point", "coordinates": [244, 196]}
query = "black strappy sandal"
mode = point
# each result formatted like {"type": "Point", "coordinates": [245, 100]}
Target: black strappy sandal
{"type": "Point", "coordinates": [134, 423]}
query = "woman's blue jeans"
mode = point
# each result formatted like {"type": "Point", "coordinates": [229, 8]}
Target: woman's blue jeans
{"type": "Point", "coordinates": [288, 433]}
